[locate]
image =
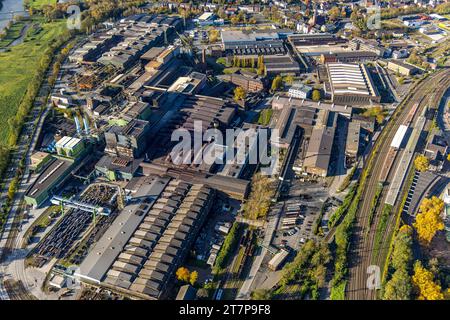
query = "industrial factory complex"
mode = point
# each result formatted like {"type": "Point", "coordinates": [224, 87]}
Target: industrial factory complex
{"type": "Point", "coordinates": [214, 151]}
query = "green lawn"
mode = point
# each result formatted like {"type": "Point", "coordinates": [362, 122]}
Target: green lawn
{"type": "Point", "coordinates": [38, 4]}
{"type": "Point", "coordinates": [13, 33]}
{"type": "Point", "coordinates": [264, 117]}
{"type": "Point", "coordinates": [338, 292]}
{"type": "Point", "coordinates": [18, 66]}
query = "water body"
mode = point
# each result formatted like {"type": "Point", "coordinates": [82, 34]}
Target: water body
{"type": "Point", "coordinates": [5, 12]}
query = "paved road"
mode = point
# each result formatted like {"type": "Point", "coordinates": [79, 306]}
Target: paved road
{"type": "Point", "coordinates": [246, 288]}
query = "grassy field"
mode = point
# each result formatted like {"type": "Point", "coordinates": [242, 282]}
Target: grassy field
{"type": "Point", "coordinates": [18, 65]}
{"type": "Point", "coordinates": [13, 33]}
{"type": "Point", "coordinates": [264, 117]}
{"type": "Point", "coordinates": [38, 4]}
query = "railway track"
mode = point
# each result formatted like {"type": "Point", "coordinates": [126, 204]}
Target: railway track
{"type": "Point", "coordinates": [380, 257]}
{"type": "Point", "coordinates": [362, 242]}
{"type": "Point", "coordinates": [17, 291]}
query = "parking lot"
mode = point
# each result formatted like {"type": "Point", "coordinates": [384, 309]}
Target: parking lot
{"type": "Point", "coordinates": [300, 209]}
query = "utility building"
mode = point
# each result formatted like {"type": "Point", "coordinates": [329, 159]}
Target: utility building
{"type": "Point", "coordinates": [351, 84]}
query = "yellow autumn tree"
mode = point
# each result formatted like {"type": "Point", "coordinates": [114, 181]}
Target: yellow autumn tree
{"type": "Point", "coordinates": [193, 278]}
{"type": "Point", "coordinates": [183, 274]}
{"type": "Point", "coordinates": [421, 163]}
{"type": "Point", "coordinates": [239, 94]}
{"type": "Point", "coordinates": [429, 219]}
{"type": "Point", "coordinates": [406, 229]}
{"type": "Point", "coordinates": [424, 283]}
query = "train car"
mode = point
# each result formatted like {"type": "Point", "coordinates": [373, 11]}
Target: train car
{"type": "Point", "coordinates": [290, 222]}
{"type": "Point", "coordinates": [399, 136]}
{"type": "Point", "coordinates": [291, 214]}
{"type": "Point", "coordinates": [219, 294]}
{"type": "Point", "coordinates": [388, 162]}
{"type": "Point", "coordinates": [411, 114]}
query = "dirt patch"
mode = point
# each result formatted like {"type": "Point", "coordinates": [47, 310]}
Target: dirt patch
{"type": "Point", "coordinates": [439, 248]}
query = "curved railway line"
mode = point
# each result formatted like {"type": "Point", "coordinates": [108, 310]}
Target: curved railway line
{"type": "Point", "coordinates": [362, 243]}
{"type": "Point", "coordinates": [17, 291]}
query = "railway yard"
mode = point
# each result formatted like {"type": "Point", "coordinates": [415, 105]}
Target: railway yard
{"type": "Point", "coordinates": [366, 230]}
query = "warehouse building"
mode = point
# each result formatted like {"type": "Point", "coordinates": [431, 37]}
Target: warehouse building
{"type": "Point", "coordinates": [116, 168]}
{"type": "Point", "coordinates": [248, 83]}
{"type": "Point", "coordinates": [348, 57]}
{"type": "Point", "coordinates": [138, 34]}
{"type": "Point", "coordinates": [187, 292]}
{"type": "Point", "coordinates": [360, 44]}
{"type": "Point", "coordinates": [140, 252]}
{"type": "Point", "coordinates": [318, 154]}
{"type": "Point", "coordinates": [255, 42]}
{"type": "Point", "coordinates": [70, 147]}
{"type": "Point", "coordinates": [137, 110]}
{"type": "Point", "coordinates": [303, 114]}
{"type": "Point", "coordinates": [39, 160]}
{"type": "Point", "coordinates": [402, 68]}
{"type": "Point", "coordinates": [208, 112]}
{"type": "Point", "coordinates": [278, 259]}
{"type": "Point", "coordinates": [232, 187]}
{"type": "Point", "coordinates": [281, 65]}
{"type": "Point", "coordinates": [351, 84]}
{"type": "Point", "coordinates": [300, 91]}
{"type": "Point", "coordinates": [317, 44]}
{"type": "Point", "coordinates": [49, 180]}
{"type": "Point", "coordinates": [94, 47]}
{"type": "Point", "coordinates": [191, 84]}
{"type": "Point", "coordinates": [352, 143]}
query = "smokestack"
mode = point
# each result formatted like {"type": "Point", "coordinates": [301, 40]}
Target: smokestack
{"type": "Point", "coordinates": [77, 124]}
{"type": "Point", "coordinates": [86, 126]}
{"type": "Point", "coordinates": [204, 55]}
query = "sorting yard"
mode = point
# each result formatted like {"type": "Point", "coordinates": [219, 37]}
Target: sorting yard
{"type": "Point", "coordinates": [60, 242]}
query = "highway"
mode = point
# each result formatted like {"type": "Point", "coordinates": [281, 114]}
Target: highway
{"type": "Point", "coordinates": [363, 237]}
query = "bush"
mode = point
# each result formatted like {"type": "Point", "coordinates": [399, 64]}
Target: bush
{"type": "Point", "coordinates": [227, 247]}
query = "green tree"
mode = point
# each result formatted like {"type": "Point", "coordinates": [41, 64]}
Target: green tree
{"type": "Point", "coordinates": [334, 13]}
{"type": "Point", "coordinates": [289, 79]}
{"type": "Point", "coordinates": [261, 67]}
{"type": "Point", "coordinates": [402, 252]}
{"type": "Point", "coordinates": [276, 83]}
{"type": "Point", "coordinates": [316, 95]}
{"type": "Point", "coordinates": [399, 287]}
{"type": "Point", "coordinates": [261, 294]}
